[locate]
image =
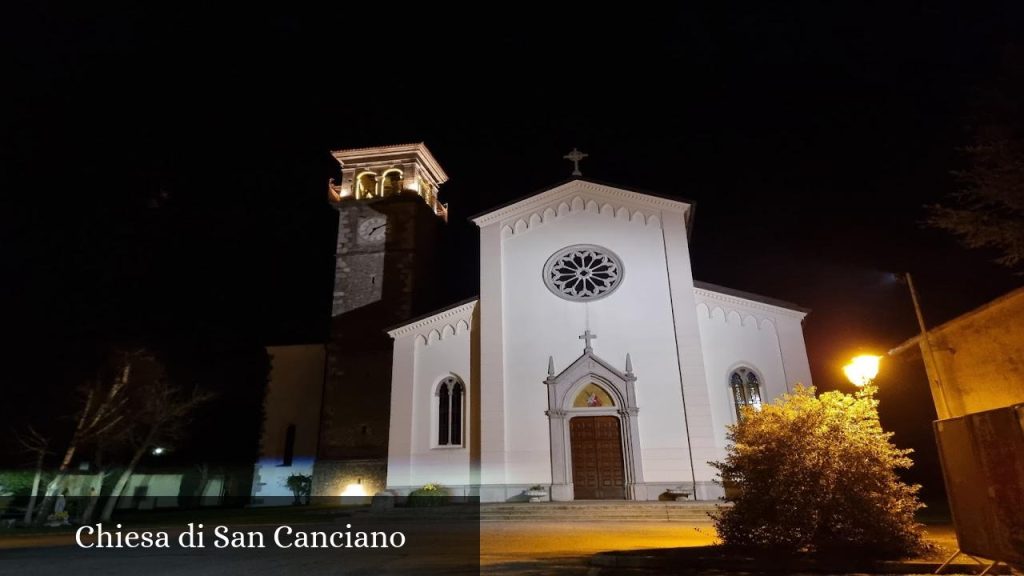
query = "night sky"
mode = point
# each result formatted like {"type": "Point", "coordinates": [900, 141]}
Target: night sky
{"type": "Point", "coordinates": [165, 169]}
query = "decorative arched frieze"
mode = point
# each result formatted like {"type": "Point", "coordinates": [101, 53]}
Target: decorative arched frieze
{"type": "Point", "coordinates": [735, 317]}
{"type": "Point", "coordinates": [444, 332]}
{"type": "Point", "coordinates": [607, 197]}
{"type": "Point", "coordinates": [443, 325]}
{"type": "Point", "coordinates": [547, 214]}
{"type": "Point", "coordinates": [755, 307]}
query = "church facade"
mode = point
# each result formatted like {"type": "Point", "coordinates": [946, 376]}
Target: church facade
{"type": "Point", "coordinates": [591, 363]}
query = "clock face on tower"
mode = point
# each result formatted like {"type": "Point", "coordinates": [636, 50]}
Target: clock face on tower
{"type": "Point", "coordinates": [372, 230]}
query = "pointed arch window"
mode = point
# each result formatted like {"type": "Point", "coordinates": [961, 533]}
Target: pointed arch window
{"type": "Point", "coordinates": [451, 395]}
{"type": "Point", "coordinates": [745, 385]}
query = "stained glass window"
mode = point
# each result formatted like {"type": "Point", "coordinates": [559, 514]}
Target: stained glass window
{"type": "Point", "coordinates": [746, 390]}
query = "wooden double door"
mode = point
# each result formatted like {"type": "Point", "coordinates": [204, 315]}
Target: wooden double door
{"type": "Point", "coordinates": [598, 472]}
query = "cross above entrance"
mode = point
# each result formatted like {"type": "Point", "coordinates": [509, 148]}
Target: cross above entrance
{"type": "Point", "coordinates": [575, 156]}
{"type": "Point", "coordinates": [588, 337]}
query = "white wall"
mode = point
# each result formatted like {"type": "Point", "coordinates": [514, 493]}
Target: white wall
{"type": "Point", "coordinates": [635, 319]}
{"type": "Point", "coordinates": [436, 361]}
{"type": "Point", "coordinates": [424, 355]}
{"type": "Point", "coordinates": [737, 333]}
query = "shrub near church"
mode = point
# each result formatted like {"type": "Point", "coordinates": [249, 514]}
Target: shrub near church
{"type": "Point", "coordinates": [818, 473]}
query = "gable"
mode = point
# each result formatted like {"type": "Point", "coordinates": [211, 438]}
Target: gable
{"type": "Point", "coordinates": [579, 195]}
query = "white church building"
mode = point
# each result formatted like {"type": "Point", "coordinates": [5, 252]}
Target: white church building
{"type": "Point", "coordinates": [591, 364]}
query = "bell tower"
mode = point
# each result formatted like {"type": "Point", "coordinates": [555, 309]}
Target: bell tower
{"type": "Point", "coordinates": [368, 173]}
{"type": "Point", "coordinates": [389, 221]}
{"type": "Point", "coordinates": [380, 201]}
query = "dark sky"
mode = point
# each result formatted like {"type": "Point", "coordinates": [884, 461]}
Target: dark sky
{"type": "Point", "coordinates": [809, 134]}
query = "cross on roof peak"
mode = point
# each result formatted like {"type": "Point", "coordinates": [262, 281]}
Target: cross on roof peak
{"type": "Point", "coordinates": [575, 156]}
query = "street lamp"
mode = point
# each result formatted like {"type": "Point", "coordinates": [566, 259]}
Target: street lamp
{"type": "Point", "coordinates": [861, 370]}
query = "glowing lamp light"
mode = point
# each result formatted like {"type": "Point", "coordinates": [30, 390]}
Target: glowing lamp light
{"type": "Point", "coordinates": [862, 370]}
{"type": "Point", "coordinates": [354, 490]}
{"type": "Point", "coordinates": [158, 450]}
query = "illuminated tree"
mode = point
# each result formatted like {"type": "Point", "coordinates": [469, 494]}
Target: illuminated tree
{"type": "Point", "coordinates": [818, 473]}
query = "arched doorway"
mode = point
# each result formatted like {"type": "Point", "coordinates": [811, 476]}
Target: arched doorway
{"type": "Point", "coordinates": [592, 426]}
{"type": "Point", "coordinates": [598, 472]}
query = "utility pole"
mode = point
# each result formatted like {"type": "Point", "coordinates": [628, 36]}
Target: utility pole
{"type": "Point", "coordinates": [928, 353]}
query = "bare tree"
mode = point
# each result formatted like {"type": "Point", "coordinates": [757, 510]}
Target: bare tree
{"type": "Point", "coordinates": [34, 443]}
{"type": "Point", "coordinates": [96, 485]}
{"type": "Point", "coordinates": [161, 411]}
{"type": "Point", "coordinates": [104, 407]}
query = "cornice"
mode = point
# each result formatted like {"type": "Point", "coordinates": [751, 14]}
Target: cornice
{"type": "Point", "coordinates": [727, 299]}
{"type": "Point", "coordinates": [582, 188]}
{"type": "Point", "coordinates": [419, 149]}
{"type": "Point", "coordinates": [449, 317]}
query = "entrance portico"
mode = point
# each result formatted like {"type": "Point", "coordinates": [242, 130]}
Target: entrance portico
{"type": "Point", "coordinates": [592, 419]}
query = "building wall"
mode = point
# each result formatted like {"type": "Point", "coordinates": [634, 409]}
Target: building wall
{"type": "Point", "coordinates": [162, 489]}
{"type": "Point", "coordinates": [355, 477]}
{"type": "Point", "coordinates": [635, 319]}
{"type": "Point", "coordinates": [675, 345]}
{"type": "Point", "coordinates": [377, 285]}
{"type": "Point", "coordinates": [737, 333]}
{"type": "Point", "coordinates": [426, 353]}
{"type": "Point", "coordinates": [980, 356]}
{"type": "Point", "coordinates": [293, 398]}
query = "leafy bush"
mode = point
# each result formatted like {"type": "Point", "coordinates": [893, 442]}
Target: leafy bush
{"type": "Point", "coordinates": [301, 486]}
{"type": "Point", "coordinates": [17, 482]}
{"type": "Point", "coordinates": [818, 473]}
{"type": "Point", "coordinates": [428, 496]}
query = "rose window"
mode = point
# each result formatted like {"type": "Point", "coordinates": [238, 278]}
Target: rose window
{"type": "Point", "coordinates": [583, 272]}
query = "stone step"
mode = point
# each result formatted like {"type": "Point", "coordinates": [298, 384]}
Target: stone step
{"type": "Point", "coordinates": [609, 513]}
{"type": "Point", "coordinates": [600, 511]}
